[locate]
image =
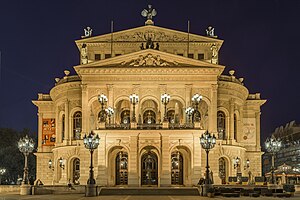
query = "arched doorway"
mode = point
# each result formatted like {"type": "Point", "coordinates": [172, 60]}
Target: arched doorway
{"type": "Point", "coordinates": [76, 171]}
{"type": "Point", "coordinates": [122, 168]}
{"type": "Point", "coordinates": [176, 168]}
{"type": "Point", "coordinates": [222, 170]}
{"type": "Point", "coordinates": [149, 168]}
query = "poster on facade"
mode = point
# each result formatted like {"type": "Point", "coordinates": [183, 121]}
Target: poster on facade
{"type": "Point", "coordinates": [249, 130]}
{"type": "Point", "coordinates": [48, 135]}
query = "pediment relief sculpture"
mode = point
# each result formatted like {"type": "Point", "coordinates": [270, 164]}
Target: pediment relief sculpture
{"type": "Point", "coordinates": [149, 60]}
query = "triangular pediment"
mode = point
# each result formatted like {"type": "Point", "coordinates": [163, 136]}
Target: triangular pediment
{"type": "Point", "coordinates": [157, 34]}
{"type": "Point", "coordinates": [150, 58]}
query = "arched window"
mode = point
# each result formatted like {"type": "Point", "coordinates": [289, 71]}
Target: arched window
{"type": "Point", "coordinates": [63, 127]}
{"type": "Point", "coordinates": [234, 126]}
{"type": "Point", "coordinates": [125, 117]}
{"type": "Point", "coordinates": [221, 125]}
{"type": "Point", "coordinates": [77, 122]}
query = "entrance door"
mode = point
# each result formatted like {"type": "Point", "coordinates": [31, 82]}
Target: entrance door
{"type": "Point", "coordinates": [122, 169]}
{"type": "Point", "coordinates": [76, 171]}
{"type": "Point", "coordinates": [222, 170]}
{"type": "Point", "coordinates": [149, 169]}
{"type": "Point", "coordinates": [176, 169]}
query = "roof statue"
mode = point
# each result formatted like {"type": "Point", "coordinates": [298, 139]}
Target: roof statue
{"type": "Point", "coordinates": [87, 32]}
{"type": "Point", "coordinates": [210, 32]}
{"type": "Point", "coordinates": [151, 12]}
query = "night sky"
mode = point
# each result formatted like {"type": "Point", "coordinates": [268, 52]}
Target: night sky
{"type": "Point", "coordinates": [261, 45]}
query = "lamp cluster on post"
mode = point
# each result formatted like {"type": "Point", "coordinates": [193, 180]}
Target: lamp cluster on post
{"type": "Point", "coordinates": [134, 99]}
{"type": "Point", "coordinates": [165, 99]}
{"type": "Point", "coordinates": [237, 166]}
{"type": "Point", "coordinates": [207, 142]}
{"type": "Point", "coordinates": [273, 145]}
{"type": "Point", "coordinates": [189, 111]}
{"type": "Point", "coordinates": [91, 143]}
{"type": "Point", "coordinates": [109, 111]}
{"type": "Point", "coordinates": [26, 146]}
{"type": "Point", "coordinates": [102, 100]}
{"type": "Point", "coordinates": [196, 100]}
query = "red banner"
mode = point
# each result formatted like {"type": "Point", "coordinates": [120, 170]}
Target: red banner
{"type": "Point", "coordinates": [48, 136]}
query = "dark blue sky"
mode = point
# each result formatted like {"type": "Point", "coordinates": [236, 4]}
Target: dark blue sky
{"type": "Point", "coordinates": [261, 45]}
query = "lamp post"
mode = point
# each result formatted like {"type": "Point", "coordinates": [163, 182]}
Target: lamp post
{"type": "Point", "coordinates": [134, 99]}
{"type": "Point", "coordinates": [2, 171]}
{"type": "Point", "coordinates": [110, 111]}
{"type": "Point", "coordinates": [196, 100]}
{"type": "Point", "coordinates": [273, 145]}
{"type": "Point", "coordinates": [26, 146]}
{"type": "Point", "coordinates": [91, 143]}
{"type": "Point", "coordinates": [102, 100]}
{"type": "Point", "coordinates": [189, 111]}
{"type": "Point", "coordinates": [165, 99]}
{"type": "Point", "coordinates": [207, 142]}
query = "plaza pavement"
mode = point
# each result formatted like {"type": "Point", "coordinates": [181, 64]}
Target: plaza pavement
{"type": "Point", "coordinates": [15, 196]}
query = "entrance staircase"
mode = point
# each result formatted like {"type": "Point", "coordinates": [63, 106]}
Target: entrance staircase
{"type": "Point", "coordinates": [172, 191]}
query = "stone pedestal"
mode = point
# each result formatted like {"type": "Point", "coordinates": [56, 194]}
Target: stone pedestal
{"type": "Point", "coordinates": [133, 125]}
{"type": "Point", "coordinates": [165, 125]}
{"type": "Point", "coordinates": [205, 188]}
{"type": "Point", "coordinates": [197, 125]}
{"type": "Point", "coordinates": [25, 189]}
{"type": "Point", "coordinates": [101, 125]}
{"type": "Point", "coordinates": [90, 190]}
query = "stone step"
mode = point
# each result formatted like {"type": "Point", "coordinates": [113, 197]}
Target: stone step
{"type": "Point", "coordinates": [173, 191]}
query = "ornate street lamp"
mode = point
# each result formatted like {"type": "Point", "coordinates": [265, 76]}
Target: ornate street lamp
{"type": "Point", "coordinates": [196, 100]}
{"type": "Point", "coordinates": [207, 142]}
{"type": "Point", "coordinates": [189, 111]}
{"type": "Point", "coordinates": [247, 165]}
{"type": "Point", "coordinates": [91, 142]}
{"type": "Point", "coordinates": [237, 166]}
{"type": "Point", "coordinates": [273, 145]}
{"type": "Point", "coordinates": [165, 99]}
{"type": "Point", "coordinates": [2, 172]}
{"type": "Point", "coordinates": [102, 100]}
{"type": "Point", "coordinates": [134, 99]}
{"type": "Point", "coordinates": [110, 111]}
{"type": "Point", "coordinates": [26, 146]}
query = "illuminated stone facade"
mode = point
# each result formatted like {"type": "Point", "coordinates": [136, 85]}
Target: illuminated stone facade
{"type": "Point", "coordinates": [148, 61]}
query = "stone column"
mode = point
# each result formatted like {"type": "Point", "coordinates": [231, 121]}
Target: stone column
{"type": "Point", "coordinates": [111, 101]}
{"type": "Point", "coordinates": [40, 130]}
{"type": "Point", "coordinates": [57, 127]}
{"type": "Point", "coordinates": [133, 171]}
{"type": "Point", "coordinates": [188, 95]}
{"type": "Point", "coordinates": [257, 120]}
{"type": "Point", "coordinates": [213, 109]}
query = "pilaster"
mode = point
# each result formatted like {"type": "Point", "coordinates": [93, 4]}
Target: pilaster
{"type": "Point", "coordinates": [84, 109]}
{"type": "Point", "coordinates": [165, 159]}
{"type": "Point", "coordinates": [40, 130]}
{"type": "Point", "coordinates": [257, 120]}
{"type": "Point", "coordinates": [133, 172]}
{"type": "Point", "coordinates": [213, 109]}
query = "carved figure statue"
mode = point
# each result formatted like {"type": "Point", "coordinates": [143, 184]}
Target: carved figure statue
{"type": "Point", "coordinates": [210, 31]}
{"type": "Point", "coordinates": [88, 32]}
{"type": "Point", "coordinates": [84, 55]}
{"type": "Point", "coordinates": [151, 12]}
{"type": "Point", "coordinates": [214, 52]}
